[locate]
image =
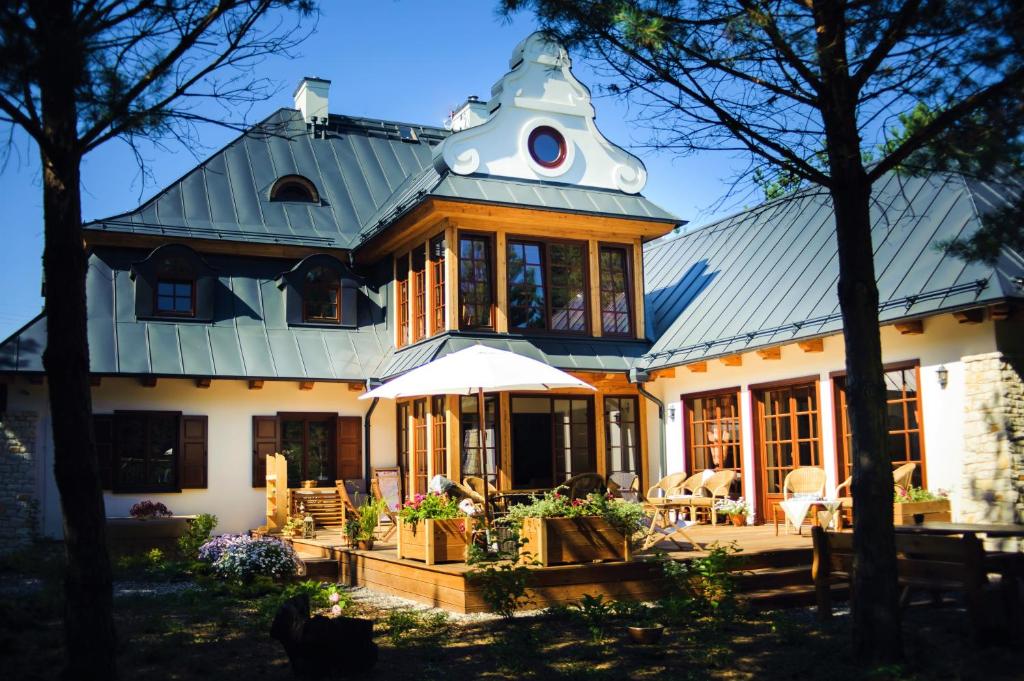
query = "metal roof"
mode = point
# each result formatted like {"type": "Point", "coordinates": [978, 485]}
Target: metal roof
{"type": "Point", "coordinates": [505, 191]}
{"type": "Point", "coordinates": [249, 336]}
{"type": "Point", "coordinates": [367, 174]}
{"type": "Point", "coordinates": [356, 165]}
{"type": "Point", "coordinates": [574, 354]}
{"type": "Point", "coordinates": [768, 275]}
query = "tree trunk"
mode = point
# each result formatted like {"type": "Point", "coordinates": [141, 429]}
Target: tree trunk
{"type": "Point", "coordinates": [88, 600]}
{"type": "Point", "coordinates": [877, 632]}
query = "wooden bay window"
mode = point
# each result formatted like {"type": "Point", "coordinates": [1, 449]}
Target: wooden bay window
{"type": "Point", "coordinates": [476, 300]}
{"type": "Point", "coordinates": [547, 286]}
{"type": "Point", "coordinates": [419, 294]}
{"type": "Point", "coordinates": [437, 285]}
{"type": "Point", "coordinates": [402, 300]}
{"type": "Point", "coordinates": [616, 291]}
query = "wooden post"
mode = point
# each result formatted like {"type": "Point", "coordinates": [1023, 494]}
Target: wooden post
{"type": "Point", "coordinates": [451, 277]}
{"type": "Point", "coordinates": [820, 569]}
{"type": "Point", "coordinates": [454, 440]}
{"type": "Point", "coordinates": [638, 288]}
{"type": "Point", "coordinates": [505, 454]}
{"type": "Point", "coordinates": [601, 435]}
{"type": "Point", "coordinates": [595, 287]}
{"type": "Point", "coordinates": [278, 502]}
{"type": "Point", "coordinates": [428, 541]}
{"type": "Point", "coordinates": [500, 284]}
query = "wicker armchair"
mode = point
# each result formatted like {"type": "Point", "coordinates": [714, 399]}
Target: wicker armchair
{"type": "Point", "coordinates": [476, 485]}
{"type": "Point", "coordinates": [714, 488]}
{"type": "Point", "coordinates": [671, 484]}
{"type": "Point", "coordinates": [804, 480]}
{"type": "Point", "coordinates": [624, 485]}
{"type": "Point", "coordinates": [902, 478]}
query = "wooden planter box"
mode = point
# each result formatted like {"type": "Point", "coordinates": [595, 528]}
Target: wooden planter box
{"type": "Point", "coordinates": [553, 541]}
{"type": "Point", "coordinates": [915, 512]}
{"type": "Point", "coordinates": [435, 541]}
{"type": "Point", "coordinates": [130, 535]}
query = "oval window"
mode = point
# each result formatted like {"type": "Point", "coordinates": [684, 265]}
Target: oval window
{"type": "Point", "coordinates": [547, 146]}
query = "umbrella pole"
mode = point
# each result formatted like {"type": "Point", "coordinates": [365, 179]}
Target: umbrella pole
{"type": "Point", "coordinates": [483, 454]}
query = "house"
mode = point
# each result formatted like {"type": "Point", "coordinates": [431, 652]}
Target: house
{"type": "Point", "coordinates": [243, 309]}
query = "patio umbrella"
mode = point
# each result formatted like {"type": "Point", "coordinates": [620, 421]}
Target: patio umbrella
{"type": "Point", "coordinates": [477, 370]}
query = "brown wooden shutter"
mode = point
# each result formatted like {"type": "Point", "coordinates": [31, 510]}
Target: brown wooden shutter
{"type": "Point", "coordinates": [192, 455]}
{"type": "Point", "coordinates": [264, 442]}
{"type": "Point", "coordinates": [103, 428]}
{"type": "Point", "coordinates": [350, 447]}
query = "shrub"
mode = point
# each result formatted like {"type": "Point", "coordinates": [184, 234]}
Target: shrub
{"type": "Point", "coordinates": [702, 586]}
{"type": "Point", "coordinates": [321, 596]}
{"type": "Point", "coordinates": [627, 518]}
{"type": "Point", "coordinates": [595, 613]}
{"type": "Point", "coordinates": [242, 558]}
{"type": "Point", "coordinates": [197, 534]}
{"type": "Point", "coordinates": [433, 506]}
{"type": "Point", "coordinates": [912, 494]}
{"type": "Point", "coordinates": [149, 509]}
{"type": "Point", "coordinates": [503, 586]}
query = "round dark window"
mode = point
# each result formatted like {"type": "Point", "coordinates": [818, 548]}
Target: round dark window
{"type": "Point", "coordinates": [547, 146]}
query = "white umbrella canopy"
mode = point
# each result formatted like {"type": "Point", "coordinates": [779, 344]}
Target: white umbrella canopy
{"type": "Point", "coordinates": [476, 369]}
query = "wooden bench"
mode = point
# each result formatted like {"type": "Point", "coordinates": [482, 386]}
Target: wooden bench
{"type": "Point", "coordinates": [935, 564]}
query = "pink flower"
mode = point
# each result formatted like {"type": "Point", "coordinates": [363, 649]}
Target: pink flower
{"type": "Point", "coordinates": [334, 597]}
{"type": "Point", "coordinates": [577, 502]}
{"type": "Point", "coordinates": [335, 610]}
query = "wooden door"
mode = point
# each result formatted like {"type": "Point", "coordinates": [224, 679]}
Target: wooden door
{"type": "Point", "coordinates": [788, 432]}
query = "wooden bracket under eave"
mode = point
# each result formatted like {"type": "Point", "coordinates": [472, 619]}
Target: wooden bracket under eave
{"type": "Point", "coordinates": [670, 372]}
{"type": "Point", "coordinates": [813, 345]}
{"type": "Point", "coordinates": [732, 360]}
{"type": "Point", "coordinates": [203, 382]}
{"type": "Point", "coordinates": [1000, 312]}
{"type": "Point", "coordinates": [698, 367]}
{"type": "Point", "coordinates": [770, 353]}
{"type": "Point", "coordinates": [975, 316]}
{"type": "Point", "coordinates": [148, 381]}
{"type": "Point", "coordinates": [305, 385]}
{"type": "Point", "coordinates": [356, 387]}
{"type": "Point", "coordinates": [914, 327]}
{"type": "Point", "coordinates": [256, 384]}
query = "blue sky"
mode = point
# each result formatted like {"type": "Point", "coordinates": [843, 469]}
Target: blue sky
{"type": "Point", "coordinates": [410, 60]}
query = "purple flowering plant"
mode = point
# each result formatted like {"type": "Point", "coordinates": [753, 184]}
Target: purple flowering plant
{"type": "Point", "coordinates": [242, 557]}
{"type": "Point", "coordinates": [149, 509]}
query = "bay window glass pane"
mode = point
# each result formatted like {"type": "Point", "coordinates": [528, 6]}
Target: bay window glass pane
{"type": "Point", "coordinates": [568, 287]}
{"type": "Point", "coordinates": [526, 292]}
{"type": "Point", "coordinates": [614, 289]}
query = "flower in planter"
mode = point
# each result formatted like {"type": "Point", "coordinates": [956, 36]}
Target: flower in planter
{"type": "Point", "coordinates": [732, 507]}
{"type": "Point", "coordinates": [336, 610]}
{"type": "Point", "coordinates": [913, 494]}
{"type": "Point", "coordinates": [149, 509]}
{"type": "Point", "coordinates": [433, 506]}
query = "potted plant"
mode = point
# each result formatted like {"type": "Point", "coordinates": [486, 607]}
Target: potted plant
{"type": "Point", "coordinates": [431, 528]}
{"type": "Point", "coordinates": [737, 510]}
{"type": "Point", "coordinates": [642, 625]}
{"type": "Point", "coordinates": [915, 505]}
{"type": "Point", "coordinates": [555, 529]}
{"type": "Point", "coordinates": [293, 527]}
{"type": "Point", "coordinates": [360, 527]}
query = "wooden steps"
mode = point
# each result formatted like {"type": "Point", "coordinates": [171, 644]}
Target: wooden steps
{"type": "Point", "coordinates": [317, 567]}
{"type": "Point", "coordinates": [780, 579]}
{"type": "Point", "coordinates": [324, 505]}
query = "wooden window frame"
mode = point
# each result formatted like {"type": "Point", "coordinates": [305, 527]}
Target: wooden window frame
{"type": "Point", "coordinates": [627, 250]}
{"type": "Point", "coordinates": [419, 473]}
{"type": "Point", "coordinates": [591, 431]}
{"type": "Point", "coordinates": [490, 243]}
{"type": "Point", "coordinates": [157, 312]}
{"type": "Point", "coordinates": [686, 401]}
{"type": "Point", "coordinates": [465, 417]}
{"type": "Point", "coordinates": [438, 297]}
{"type": "Point", "coordinates": [545, 259]}
{"type": "Point", "coordinates": [403, 412]}
{"type": "Point", "coordinates": [402, 321]}
{"type": "Point", "coordinates": [308, 417]}
{"type": "Point", "coordinates": [607, 437]}
{"type": "Point", "coordinates": [844, 465]}
{"type": "Point", "coordinates": [418, 297]}
{"type": "Point", "coordinates": [333, 288]}
{"type": "Point", "coordinates": [119, 488]}
{"type": "Point", "coordinates": [439, 435]}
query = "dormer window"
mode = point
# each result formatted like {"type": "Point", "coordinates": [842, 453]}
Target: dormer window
{"type": "Point", "coordinates": [320, 291]}
{"type": "Point", "coordinates": [547, 146]}
{"type": "Point", "coordinates": [321, 296]}
{"type": "Point", "coordinates": [173, 281]}
{"type": "Point", "coordinates": [294, 189]}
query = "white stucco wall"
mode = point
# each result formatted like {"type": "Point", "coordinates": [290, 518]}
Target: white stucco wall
{"type": "Point", "coordinates": [229, 406]}
{"type": "Point", "coordinates": [943, 343]}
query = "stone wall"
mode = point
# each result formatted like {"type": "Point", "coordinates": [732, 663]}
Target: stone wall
{"type": "Point", "coordinates": [992, 488]}
{"type": "Point", "coordinates": [18, 496]}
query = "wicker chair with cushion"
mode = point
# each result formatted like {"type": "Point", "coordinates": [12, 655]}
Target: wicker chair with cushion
{"type": "Point", "coordinates": [579, 486]}
{"type": "Point", "coordinates": [714, 488]}
{"type": "Point", "coordinates": [805, 481]}
{"type": "Point", "coordinates": [902, 478]}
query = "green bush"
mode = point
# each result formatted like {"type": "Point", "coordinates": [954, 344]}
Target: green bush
{"type": "Point", "coordinates": [595, 613]}
{"type": "Point", "coordinates": [197, 534]}
{"type": "Point", "coordinates": [627, 518]}
{"type": "Point", "coordinates": [503, 586]}
{"type": "Point", "coordinates": [702, 587]}
{"type": "Point", "coordinates": [321, 597]}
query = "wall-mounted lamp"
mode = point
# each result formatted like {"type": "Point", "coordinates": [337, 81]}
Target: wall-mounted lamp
{"type": "Point", "coordinates": [672, 413]}
{"type": "Point", "coordinates": [942, 373]}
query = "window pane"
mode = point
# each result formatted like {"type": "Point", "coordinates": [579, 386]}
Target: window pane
{"type": "Point", "coordinates": [615, 315]}
{"type": "Point", "coordinates": [568, 287]}
{"type": "Point", "coordinates": [474, 283]}
{"type": "Point", "coordinates": [526, 286]}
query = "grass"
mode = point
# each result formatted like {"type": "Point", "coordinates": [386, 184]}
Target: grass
{"type": "Point", "coordinates": [216, 632]}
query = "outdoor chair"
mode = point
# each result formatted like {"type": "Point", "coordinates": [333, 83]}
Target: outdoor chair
{"type": "Point", "coordinates": [902, 477]}
{"type": "Point", "coordinates": [579, 486]}
{"type": "Point", "coordinates": [714, 488]}
{"type": "Point", "coordinates": [804, 481]}
{"type": "Point", "coordinates": [624, 485]}
{"type": "Point", "coordinates": [670, 485]}
{"type": "Point", "coordinates": [388, 512]}
{"type": "Point", "coordinates": [476, 486]}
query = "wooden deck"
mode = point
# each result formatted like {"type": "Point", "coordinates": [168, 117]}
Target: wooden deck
{"type": "Point", "coordinates": [448, 585]}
